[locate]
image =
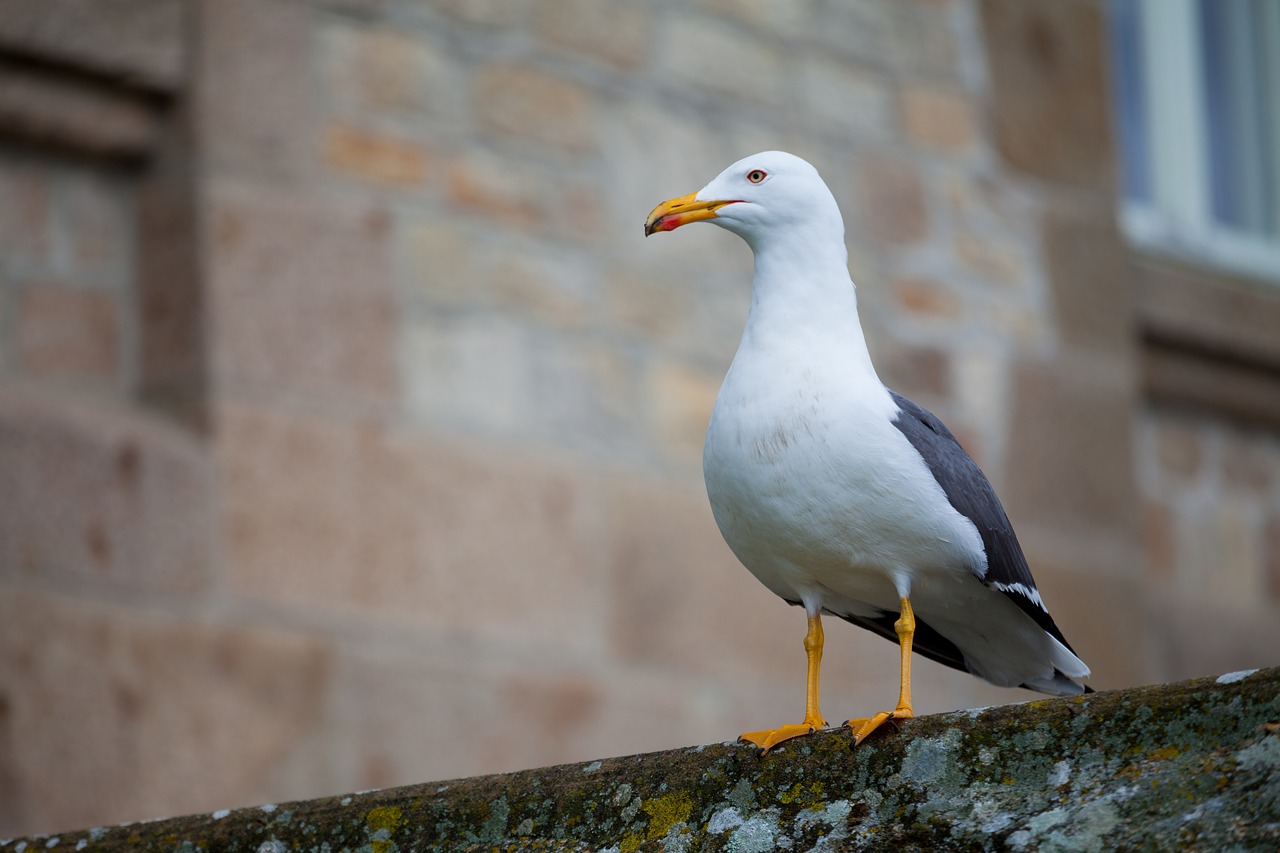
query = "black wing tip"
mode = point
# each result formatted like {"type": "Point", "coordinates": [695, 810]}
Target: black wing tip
{"type": "Point", "coordinates": [1060, 685]}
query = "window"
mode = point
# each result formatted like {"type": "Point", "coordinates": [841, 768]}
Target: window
{"type": "Point", "coordinates": [1197, 100]}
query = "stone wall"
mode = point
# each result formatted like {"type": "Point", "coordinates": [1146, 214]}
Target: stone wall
{"type": "Point", "coordinates": [350, 430]}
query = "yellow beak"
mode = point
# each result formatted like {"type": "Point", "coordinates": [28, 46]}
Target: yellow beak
{"type": "Point", "coordinates": [670, 215]}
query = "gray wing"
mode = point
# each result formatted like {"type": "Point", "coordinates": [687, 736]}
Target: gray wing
{"type": "Point", "coordinates": [969, 491]}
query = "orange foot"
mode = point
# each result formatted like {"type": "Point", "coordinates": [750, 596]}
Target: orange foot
{"type": "Point", "coordinates": [864, 726]}
{"type": "Point", "coordinates": [770, 738]}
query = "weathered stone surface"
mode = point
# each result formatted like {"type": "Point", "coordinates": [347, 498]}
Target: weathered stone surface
{"type": "Point", "coordinates": [892, 207]}
{"type": "Point", "coordinates": [100, 497]}
{"type": "Point", "coordinates": [384, 72]}
{"type": "Point", "coordinates": [392, 161]}
{"type": "Point", "coordinates": [136, 42]}
{"type": "Point", "coordinates": [1080, 479]}
{"type": "Point", "coordinates": [711, 54]}
{"type": "Point", "coordinates": [677, 598]}
{"type": "Point", "coordinates": [523, 102]}
{"type": "Point", "coordinates": [617, 34]}
{"type": "Point", "coordinates": [316, 319]}
{"type": "Point", "coordinates": [384, 526]}
{"type": "Point", "coordinates": [1087, 266]}
{"type": "Point", "coordinates": [48, 110]}
{"type": "Point", "coordinates": [846, 98]}
{"type": "Point", "coordinates": [67, 333]}
{"type": "Point", "coordinates": [1273, 556]}
{"type": "Point", "coordinates": [1181, 643]}
{"type": "Point", "coordinates": [107, 709]}
{"type": "Point", "coordinates": [938, 118]}
{"type": "Point", "coordinates": [1188, 766]}
{"type": "Point", "coordinates": [244, 124]}
{"type": "Point", "coordinates": [1049, 95]}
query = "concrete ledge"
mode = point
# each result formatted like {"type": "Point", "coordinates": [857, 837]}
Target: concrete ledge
{"type": "Point", "coordinates": [1194, 765]}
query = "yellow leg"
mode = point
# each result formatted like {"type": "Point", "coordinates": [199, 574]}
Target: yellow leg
{"type": "Point", "coordinates": [770, 738]}
{"type": "Point", "coordinates": [906, 628]}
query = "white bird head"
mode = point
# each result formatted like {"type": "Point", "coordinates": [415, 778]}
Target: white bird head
{"type": "Point", "coordinates": [760, 198]}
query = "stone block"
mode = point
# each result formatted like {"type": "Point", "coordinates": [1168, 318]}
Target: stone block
{"type": "Point", "coordinates": [527, 197]}
{"type": "Point", "coordinates": [26, 223]}
{"type": "Point", "coordinates": [846, 98]}
{"type": "Point", "coordinates": [862, 30]}
{"type": "Point", "coordinates": [1069, 460]}
{"type": "Point", "coordinates": [1192, 636]}
{"type": "Point", "coordinates": [486, 374]}
{"type": "Point", "coordinates": [679, 598]}
{"type": "Point", "coordinates": [1049, 103]}
{"type": "Point", "coordinates": [1271, 542]}
{"type": "Point", "coordinates": [1158, 540]}
{"type": "Point", "coordinates": [1221, 553]}
{"type": "Point", "coordinates": [139, 41]}
{"type": "Point", "coordinates": [454, 713]}
{"type": "Point", "coordinates": [991, 257]}
{"type": "Point", "coordinates": [771, 17]}
{"type": "Point", "coordinates": [1179, 446]}
{"type": "Point", "coordinates": [1088, 269]}
{"type": "Point", "coordinates": [385, 73]}
{"type": "Point", "coordinates": [1199, 307]}
{"type": "Point", "coordinates": [489, 14]}
{"type": "Point", "coordinates": [1105, 618]}
{"type": "Point", "coordinates": [97, 497]}
{"type": "Point", "coordinates": [52, 110]}
{"type": "Point", "coordinates": [391, 161]}
{"type": "Point", "coordinates": [125, 714]}
{"type": "Point", "coordinates": [300, 295]}
{"type": "Point", "coordinates": [891, 203]}
{"type": "Point", "coordinates": [68, 333]}
{"type": "Point", "coordinates": [553, 286]}
{"type": "Point", "coordinates": [616, 34]}
{"type": "Point", "coordinates": [527, 103]}
{"type": "Point", "coordinates": [645, 305]}
{"type": "Point", "coordinates": [927, 298]}
{"type": "Point", "coordinates": [927, 40]}
{"type": "Point", "coordinates": [454, 264]}
{"type": "Point", "coordinates": [679, 398]}
{"type": "Point", "coordinates": [469, 372]}
{"type": "Point", "coordinates": [1250, 463]}
{"type": "Point", "coordinates": [980, 389]}
{"type": "Point", "coordinates": [712, 56]}
{"type": "Point", "coordinates": [170, 310]}
{"type": "Point", "coordinates": [95, 214]}
{"type": "Point", "coordinates": [253, 94]}
{"type": "Point", "coordinates": [939, 119]}
{"type": "Point", "coordinates": [441, 259]}
{"type": "Point", "coordinates": [587, 397]}
{"type": "Point", "coordinates": [382, 526]}
{"type": "Point", "coordinates": [916, 370]}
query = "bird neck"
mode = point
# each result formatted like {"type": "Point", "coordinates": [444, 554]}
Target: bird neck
{"type": "Point", "coordinates": [802, 295]}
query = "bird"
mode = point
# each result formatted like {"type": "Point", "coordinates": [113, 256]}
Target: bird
{"type": "Point", "coordinates": [840, 495]}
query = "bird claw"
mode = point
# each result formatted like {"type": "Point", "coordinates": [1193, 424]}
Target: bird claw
{"type": "Point", "coordinates": [863, 727]}
{"type": "Point", "coordinates": [769, 738]}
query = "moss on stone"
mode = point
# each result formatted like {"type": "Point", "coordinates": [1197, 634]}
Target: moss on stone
{"type": "Point", "coordinates": [1186, 766]}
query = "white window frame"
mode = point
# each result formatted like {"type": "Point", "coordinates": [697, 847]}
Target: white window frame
{"type": "Point", "coordinates": [1177, 220]}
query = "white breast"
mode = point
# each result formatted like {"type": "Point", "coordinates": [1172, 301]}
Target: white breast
{"type": "Point", "coordinates": [816, 491]}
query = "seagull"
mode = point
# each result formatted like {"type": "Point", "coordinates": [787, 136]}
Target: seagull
{"type": "Point", "coordinates": [839, 494]}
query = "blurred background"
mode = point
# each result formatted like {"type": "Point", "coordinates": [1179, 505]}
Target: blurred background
{"type": "Point", "coordinates": [350, 431]}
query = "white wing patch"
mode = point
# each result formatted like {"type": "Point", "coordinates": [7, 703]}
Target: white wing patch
{"type": "Point", "coordinates": [1028, 592]}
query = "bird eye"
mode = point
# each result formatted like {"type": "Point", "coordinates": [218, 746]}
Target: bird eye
{"type": "Point", "coordinates": [755, 176]}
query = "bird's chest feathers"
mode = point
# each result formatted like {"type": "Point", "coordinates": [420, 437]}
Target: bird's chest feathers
{"type": "Point", "coordinates": [801, 442]}
{"type": "Point", "coordinates": [807, 473]}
